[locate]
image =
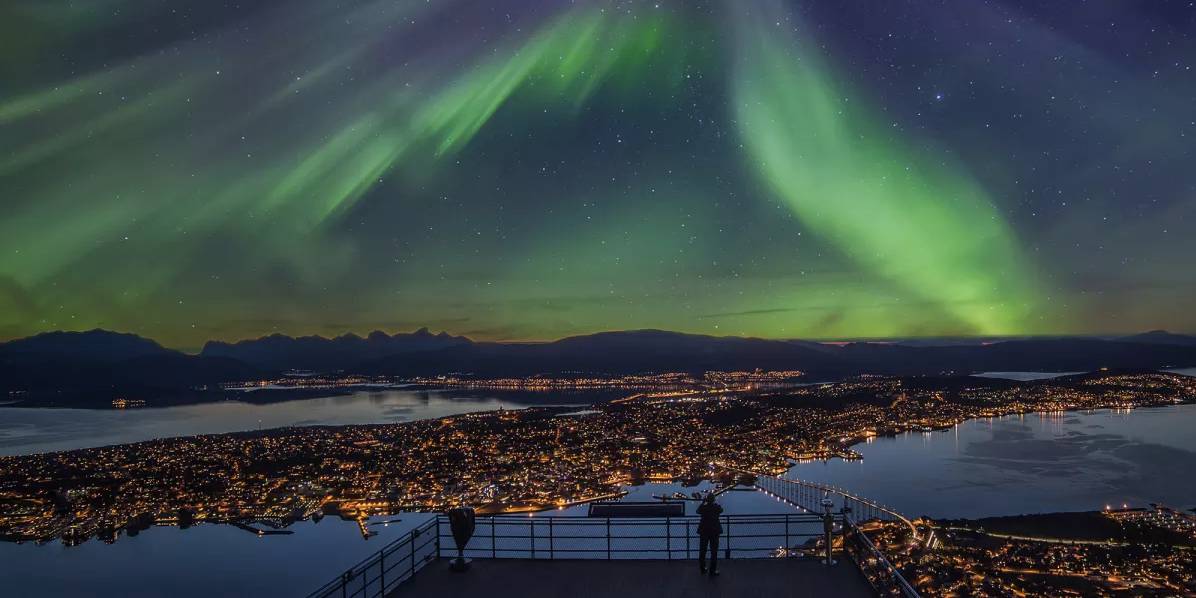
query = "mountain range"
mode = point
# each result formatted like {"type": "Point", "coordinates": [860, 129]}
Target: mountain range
{"type": "Point", "coordinates": [105, 363]}
{"type": "Point", "coordinates": [280, 352]}
{"type": "Point", "coordinates": [102, 365]}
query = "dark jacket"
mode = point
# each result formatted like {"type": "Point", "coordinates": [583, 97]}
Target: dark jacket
{"type": "Point", "coordinates": [709, 524]}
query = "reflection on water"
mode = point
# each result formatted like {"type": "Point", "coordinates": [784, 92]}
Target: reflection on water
{"type": "Point", "coordinates": [1027, 464]}
{"type": "Point", "coordinates": [1025, 376]}
{"type": "Point", "coordinates": [206, 560]}
{"type": "Point", "coordinates": [31, 430]}
{"type": "Point", "coordinates": [221, 560]}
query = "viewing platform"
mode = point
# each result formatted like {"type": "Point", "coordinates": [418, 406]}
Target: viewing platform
{"type": "Point", "coordinates": [525, 578]}
{"type": "Point", "coordinates": [529, 556]}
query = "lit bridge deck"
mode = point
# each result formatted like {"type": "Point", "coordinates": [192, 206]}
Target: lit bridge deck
{"type": "Point", "coordinates": [525, 578]}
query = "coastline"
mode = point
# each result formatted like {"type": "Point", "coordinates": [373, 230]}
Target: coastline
{"type": "Point", "coordinates": [893, 434]}
{"type": "Point", "coordinates": [830, 433]}
{"type": "Point", "coordinates": [891, 431]}
{"type": "Point", "coordinates": [848, 442]}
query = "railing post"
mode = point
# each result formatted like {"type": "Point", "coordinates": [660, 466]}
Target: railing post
{"type": "Point", "coordinates": [687, 548]}
{"type": "Point", "coordinates": [345, 577]}
{"type": "Point", "coordinates": [786, 535]}
{"type": "Point", "coordinates": [551, 548]}
{"type": "Point", "coordinates": [844, 511]}
{"type": "Point", "coordinates": [414, 533]}
{"type": "Point", "coordinates": [532, 520]}
{"type": "Point", "coordinates": [493, 537]}
{"type": "Point", "coordinates": [828, 528]}
{"type": "Point", "coordinates": [727, 549]}
{"type": "Point", "coordinates": [437, 536]}
{"type": "Point", "coordinates": [608, 538]}
{"type": "Point", "coordinates": [382, 569]}
{"type": "Point", "coordinates": [668, 538]}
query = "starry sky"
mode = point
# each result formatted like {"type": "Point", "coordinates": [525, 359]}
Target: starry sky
{"type": "Point", "coordinates": [531, 169]}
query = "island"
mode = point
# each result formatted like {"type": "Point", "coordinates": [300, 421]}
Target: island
{"type": "Point", "coordinates": [507, 461]}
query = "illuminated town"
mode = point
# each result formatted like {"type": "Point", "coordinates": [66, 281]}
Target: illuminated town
{"type": "Point", "coordinates": [512, 461]}
{"type": "Point", "coordinates": [560, 382]}
{"type": "Point", "coordinates": [1117, 552]}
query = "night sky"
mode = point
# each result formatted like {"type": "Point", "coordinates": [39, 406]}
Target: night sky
{"type": "Point", "coordinates": [195, 169]}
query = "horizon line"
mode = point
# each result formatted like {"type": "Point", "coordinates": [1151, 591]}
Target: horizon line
{"type": "Point", "coordinates": [818, 340]}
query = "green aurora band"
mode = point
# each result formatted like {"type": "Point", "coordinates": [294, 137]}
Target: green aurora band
{"type": "Point", "coordinates": [334, 164]}
{"type": "Point", "coordinates": [298, 180]}
{"type": "Point", "coordinates": [925, 227]}
{"type": "Point", "coordinates": [513, 170]}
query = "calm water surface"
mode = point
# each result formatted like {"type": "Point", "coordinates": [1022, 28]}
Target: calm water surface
{"type": "Point", "coordinates": [1024, 464]}
{"type": "Point", "coordinates": [1028, 376]}
{"type": "Point", "coordinates": [25, 430]}
{"type": "Point", "coordinates": [220, 560]}
{"type": "Point", "coordinates": [1024, 376]}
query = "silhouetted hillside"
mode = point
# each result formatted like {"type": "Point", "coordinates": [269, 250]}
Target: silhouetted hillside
{"type": "Point", "coordinates": [652, 350]}
{"type": "Point", "coordinates": [280, 352]}
{"type": "Point", "coordinates": [100, 363]}
{"type": "Point", "coordinates": [1161, 337]}
{"type": "Point", "coordinates": [1044, 355]}
{"type": "Point", "coordinates": [93, 345]}
{"type": "Point", "coordinates": [612, 353]}
{"type": "Point", "coordinates": [95, 366]}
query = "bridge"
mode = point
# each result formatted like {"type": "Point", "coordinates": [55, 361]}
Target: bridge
{"type": "Point", "coordinates": [808, 496]}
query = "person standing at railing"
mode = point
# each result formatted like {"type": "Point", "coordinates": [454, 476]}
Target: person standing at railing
{"type": "Point", "coordinates": [709, 530]}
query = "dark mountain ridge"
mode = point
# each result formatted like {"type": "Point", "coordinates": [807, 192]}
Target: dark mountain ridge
{"type": "Point", "coordinates": [623, 352]}
{"type": "Point", "coordinates": [92, 345]}
{"type": "Point", "coordinates": [280, 352]}
{"type": "Point", "coordinates": [1161, 337]}
{"type": "Point", "coordinates": [1035, 355]}
{"type": "Point", "coordinates": [110, 363]}
{"type": "Point", "coordinates": [104, 365]}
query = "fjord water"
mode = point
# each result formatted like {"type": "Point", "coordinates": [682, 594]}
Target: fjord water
{"type": "Point", "coordinates": [1073, 461]}
{"type": "Point", "coordinates": [221, 560]}
{"type": "Point", "coordinates": [206, 560]}
{"type": "Point", "coordinates": [27, 430]}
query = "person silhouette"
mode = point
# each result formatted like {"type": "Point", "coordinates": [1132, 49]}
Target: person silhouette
{"type": "Point", "coordinates": [709, 529]}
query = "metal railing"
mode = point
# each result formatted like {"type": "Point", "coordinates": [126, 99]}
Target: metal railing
{"type": "Point", "coordinates": [572, 537]}
{"type": "Point", "coordinates": [382, 571]}
{"type": "Point", "coordinates": [579, 537]}
{"type": "Point", "coordinates": [886, 579]}
{"type": "Point", "coordinates": [616, 538]}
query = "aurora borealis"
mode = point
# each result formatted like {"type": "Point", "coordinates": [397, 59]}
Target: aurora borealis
{"type": "Point", "coordinates": [525, 169]}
